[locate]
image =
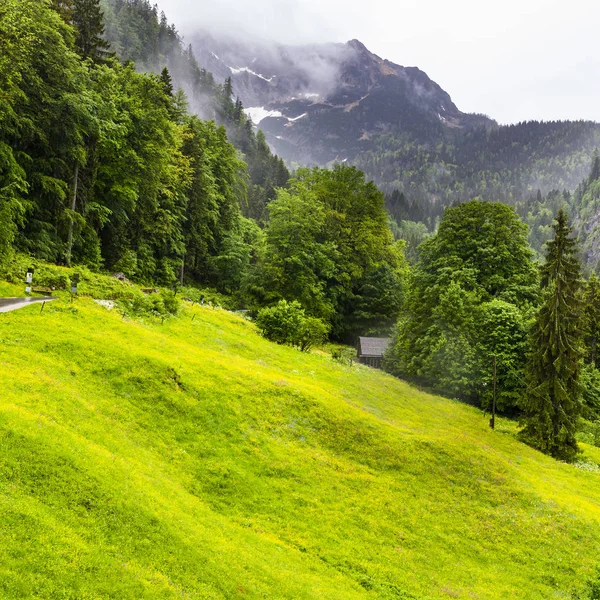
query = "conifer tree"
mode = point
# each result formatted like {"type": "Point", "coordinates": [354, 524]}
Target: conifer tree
{"type": "Point", "coordinates": [65, 9]}
{"type": "Point", "coordinates": [88, 20]}
{"type": "Point", "coordinates": [167, 82]}
{"type": "Point", "coordinates": [228, 88]}
{"type": "Point", "coordinates": [551, 404]}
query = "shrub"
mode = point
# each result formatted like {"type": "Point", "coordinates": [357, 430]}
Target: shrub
{"type": "Point", "coordinates": [287, 323]}
{"type": "Point", "coordinates": [162, 304]}
{"type": "Point", "coordinates": [312, 333]}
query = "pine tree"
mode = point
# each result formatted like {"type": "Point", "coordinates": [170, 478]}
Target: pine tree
{"type": "Point", "coordinates": [591, 315]}
{"type": "Point", "coordinates": [238, 111]}
{"type": "Point", "coordinates": [167, 82]}
{"type": "Point", "coordinates": [88, 20]}
{"type": "Point", "coordinates": [551, 404]}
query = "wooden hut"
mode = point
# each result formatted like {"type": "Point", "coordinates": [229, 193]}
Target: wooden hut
{"type": "Point", "coordinates": [371, 350]}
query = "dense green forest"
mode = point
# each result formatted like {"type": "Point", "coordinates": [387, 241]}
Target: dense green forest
{"type": "Point", "coordinates": [137, 32]}
{"type": "Point", "coordinates": [535, 167]}
{"type": "Point", "coordinates": [109, 167]}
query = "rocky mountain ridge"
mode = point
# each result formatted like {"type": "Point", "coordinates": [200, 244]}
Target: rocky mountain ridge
{"type": "Point", "coordinates": [324, 102]}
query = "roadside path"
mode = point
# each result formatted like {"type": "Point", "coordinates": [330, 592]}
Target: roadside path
{"type": "Point", "coordinates": [8, 304]}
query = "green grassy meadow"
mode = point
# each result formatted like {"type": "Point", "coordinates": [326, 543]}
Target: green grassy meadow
{"type": "Point", "coordinates": [194, 459]}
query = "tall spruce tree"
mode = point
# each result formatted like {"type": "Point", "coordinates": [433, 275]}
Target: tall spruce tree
{"type": "Point", "coordinates": [88, 20]}
{"type": "Point", "coordinates": [551, 404]}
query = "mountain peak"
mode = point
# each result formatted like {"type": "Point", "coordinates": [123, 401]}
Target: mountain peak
{"type": "Point", "coordinates": [322, 102]}
{"type": "Point", "coordinates": [357, 45]}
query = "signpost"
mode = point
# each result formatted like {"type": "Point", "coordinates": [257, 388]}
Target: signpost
{"type": "Point", "coordinates": [28, 280]}
{"type": "Point", "coordinates": [75, 283]}
{"type": "Point", "coordinates": [493, 419]}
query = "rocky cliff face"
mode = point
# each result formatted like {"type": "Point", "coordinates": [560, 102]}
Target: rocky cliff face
{"type": "Point", "coordinates": [319, 103]}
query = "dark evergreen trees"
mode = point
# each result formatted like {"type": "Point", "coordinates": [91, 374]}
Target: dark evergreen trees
{"type": "Point", "coordinates": [99, 164]}
{"type": "Point", "coordinates": [551, 405]}
{"type": "Point", "coordinates": [88, 21]}
{"type": "Point", "coordinates": [591, 314]}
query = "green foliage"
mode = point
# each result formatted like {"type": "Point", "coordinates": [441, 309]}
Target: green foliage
{"type": "Point", "coordinates": [100, 166]}
{"type": "Point", "coordinates": [552, 406]}
{"type": "Point", "coordinates": [345, 355]}
{"type": "Point", "coordinates": [328, 245]}
{"type": "Point", "coordinates": [469, 295]}
{"type": "Point", "coordinates": [287, 323]}
{"type": "Point", "coordinates": [413, 234]}
{"type": "Point", "coordinates": [88, 21]}
{"type": "Point", "coordinates": [502, 333]}
{"type": "Point", "coordinates": [429, 169]}
{"type": "Point", "coordinates": [138, 33]}
{"type": "Point", "coordinates": [590, 392]}
{"type": "Point", "coordinates": [161, 304]}
{"type": "Point", "coordinates": [591, 320]}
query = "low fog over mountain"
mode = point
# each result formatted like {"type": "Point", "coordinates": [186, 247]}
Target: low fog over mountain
{"type": "Point", "coordinates": [322, 102]}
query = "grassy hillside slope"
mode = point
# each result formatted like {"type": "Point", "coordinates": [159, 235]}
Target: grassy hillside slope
{"type": "Point", "coordinates": [193, 459]}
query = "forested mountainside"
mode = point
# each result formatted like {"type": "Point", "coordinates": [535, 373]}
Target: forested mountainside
{"type": "Point", "coordinates": [137, 32]}
{"type": "Point", "coordinates": [340, 102]}
{"type": "Point", "coordinates": [324, 103]}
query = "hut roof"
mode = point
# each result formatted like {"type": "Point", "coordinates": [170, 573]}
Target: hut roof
{"type": "Point", "coordinates": [371, 346]}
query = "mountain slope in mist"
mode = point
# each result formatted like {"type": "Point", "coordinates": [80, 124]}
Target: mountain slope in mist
{"type": "Point", "coordinates": [324, 102]}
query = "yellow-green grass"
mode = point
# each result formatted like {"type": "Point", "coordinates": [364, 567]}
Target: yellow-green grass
{"type": "Point", "coordinates": [193, 459]}
{"type": "Point", "coordinates": [11, 290]}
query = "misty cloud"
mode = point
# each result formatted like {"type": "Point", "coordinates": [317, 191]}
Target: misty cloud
{"type": "Point", "coordinates": [516, 60]}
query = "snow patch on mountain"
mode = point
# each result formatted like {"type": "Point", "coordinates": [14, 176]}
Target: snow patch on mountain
{"type": "Point", "coordinates": [236, 70]}
{"type": "Point", "coordinates": [258, 113]}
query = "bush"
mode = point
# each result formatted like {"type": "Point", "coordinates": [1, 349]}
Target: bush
{"type": "Point", "coordinates": [287, 323]}
{"type": "Point", "coordinates": [312, 332]}
{"type": "Point", "coordinates": [162, 304]}
{"type": "Point", "coordinates": [207, 296]}
{"type": "Point", "coordinates": [343, 354]}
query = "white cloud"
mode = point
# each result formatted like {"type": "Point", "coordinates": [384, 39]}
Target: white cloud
{"type": "Point", "coordinates": [515, 60]}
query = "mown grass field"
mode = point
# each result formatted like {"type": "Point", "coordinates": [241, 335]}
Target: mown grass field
{"type": "Point", "coordinates": [193, 459]}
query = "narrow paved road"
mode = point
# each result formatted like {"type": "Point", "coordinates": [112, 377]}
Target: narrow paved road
{"type": "Point", "coordinates": [8, 304]}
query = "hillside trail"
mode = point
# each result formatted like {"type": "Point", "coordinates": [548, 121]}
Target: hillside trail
{"type": "Point", "coordinates": [9, 304]}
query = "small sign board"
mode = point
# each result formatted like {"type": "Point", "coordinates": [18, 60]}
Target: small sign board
{"type": "Point", "coordinates": [74, 283]}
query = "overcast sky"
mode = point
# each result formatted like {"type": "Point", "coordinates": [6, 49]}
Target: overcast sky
{"type": "Point", "coordinates": [513, 60]}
